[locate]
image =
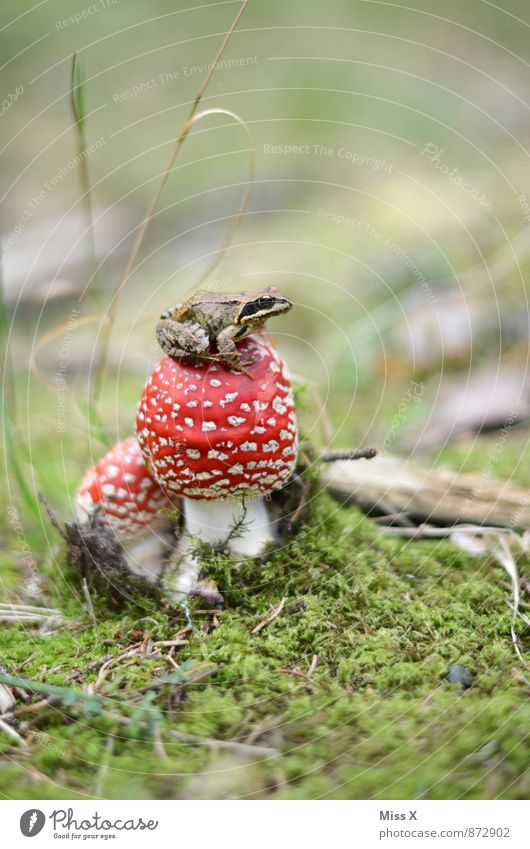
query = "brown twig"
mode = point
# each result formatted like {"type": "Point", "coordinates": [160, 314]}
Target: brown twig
{"type": "Point", "coordinates": [10, 732]}
{"type": "Point", "coordinates": [227, 745]}
{"type": "Point", "coordinates": [354, 454]}
{"type": "Point", "coordinates": [272, 616]}
{"type": "Point", "coordinates": [312, 665]}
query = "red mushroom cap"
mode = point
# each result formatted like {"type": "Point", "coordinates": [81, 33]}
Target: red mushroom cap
{"type": "Point", "coordinates": [122, 487]}
{"type": "Point", "coordinates": [209, 432]}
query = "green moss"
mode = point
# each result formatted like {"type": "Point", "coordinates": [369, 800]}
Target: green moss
{"type": "Point", "coordinates": [385, 618]}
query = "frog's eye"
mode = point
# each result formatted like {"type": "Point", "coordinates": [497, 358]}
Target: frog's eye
{"type": "Point", "coordinates": [256, 307]}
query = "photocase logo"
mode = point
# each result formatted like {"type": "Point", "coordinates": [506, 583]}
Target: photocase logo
{"type": "Point", "coordinates": [32, 822]}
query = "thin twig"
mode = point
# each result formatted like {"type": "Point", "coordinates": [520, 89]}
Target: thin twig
{"type": "Point", "coordinates": [104, 768]}
{"type": "Point", "coordinates": [35, 706]}
{"type": "Point", "coordinates": [431, 531]}
{"type": "Point", "coordinates": [158, 744]}
{"type": "Point", "coordinates": [227, 745]}
{"type": "Point", "coordinates": [516, 610]}
{"type": "Point", "coordinates": [276, 612]}
{"type": "Point", "coordinates": [296, 673]}
{"type": "Point", "coordinates": [7, 729]}
{"type": "Point", "coordinates": [357, 454]}
{"type": "Point", "coordinates": [88, 600]}
{"type": "Point", "coordinates": [29, 608]}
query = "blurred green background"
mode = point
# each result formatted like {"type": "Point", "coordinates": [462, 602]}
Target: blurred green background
{"type": "Point", "coordinates": [390, 163]}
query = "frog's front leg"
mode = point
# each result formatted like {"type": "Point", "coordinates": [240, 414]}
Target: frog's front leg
{"type": "Point", "coordinates": [182, 339]}
{"type": "Point", "coordinates": [227, 349]}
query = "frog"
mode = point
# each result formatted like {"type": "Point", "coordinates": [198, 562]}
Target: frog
{"type": "Point", "coordinates": [209, 324]}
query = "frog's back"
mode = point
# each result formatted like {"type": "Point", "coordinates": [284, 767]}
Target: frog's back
{"type": "Point", "coordinates": [216, 298]}
{"type": "Point", "coordinates": [212, 308]}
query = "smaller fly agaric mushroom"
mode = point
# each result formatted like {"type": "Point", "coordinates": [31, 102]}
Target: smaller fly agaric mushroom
{"type": "Point", "coordinates": [123, 496]}
{"type": "Point", "coordinates": [222, 440]}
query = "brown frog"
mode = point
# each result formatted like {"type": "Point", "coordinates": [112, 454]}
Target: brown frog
{"type": "Point", "coordinates": [216, 321]}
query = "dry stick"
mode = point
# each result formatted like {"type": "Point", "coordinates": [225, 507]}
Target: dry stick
{"type": "Point", "coordinates": [276, 612]}
{"type": "Point", "coordinates": [104, 768]}
{"type": "Point", "coordinates": [158, 744]}
{"type": "Point", "coordinates": [227, 745]}
{"type": "Point", "coordinates": [424, 530]}
{"type": "Point", "coordinates": [358, 454]}
{"type": "Point", "coordinates": [29, 608]}
{"type": "Point", "coordinates": [88, 600]}
{"type": "Point", "coordinates": [12, 733]}
{"type": "Point", "coordinates": [35, 706]}
{"type": "Point", "coordinates": [312, 666]}
{"type": "Point", "coordinates": [27, 618]}
{"type": "Point", "coordinates": [295, 673]}
{"type": "Point", "coordinates": [111, 314]}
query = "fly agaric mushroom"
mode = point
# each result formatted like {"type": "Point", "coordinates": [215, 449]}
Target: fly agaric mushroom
{"type": "Point", "coordinates": [222, 440]}
{"type": "Point", "coordinates": [122, 495]}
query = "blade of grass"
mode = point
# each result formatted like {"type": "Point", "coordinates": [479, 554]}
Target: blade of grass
{"type": "Point", "coordinates": [12, 450]}
{"type": "Point", "coordinates": [112, 311]}
{"type": "Point", "coordinates": [78, 107]}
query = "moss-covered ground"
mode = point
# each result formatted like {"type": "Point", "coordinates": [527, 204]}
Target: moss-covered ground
{"type": "Point", "coordinates": [374, 718]}
{"type": "Point", "coordinates": [342, 695]}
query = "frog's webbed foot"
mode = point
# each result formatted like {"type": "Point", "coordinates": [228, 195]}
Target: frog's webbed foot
{"type": "Point", "coordinates": [182, 339]}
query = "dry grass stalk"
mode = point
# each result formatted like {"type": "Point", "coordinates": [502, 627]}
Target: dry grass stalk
{"type": "Point", "coordinates": [270, 618]}
{"type": "Point", "coordinates": [226, 745]}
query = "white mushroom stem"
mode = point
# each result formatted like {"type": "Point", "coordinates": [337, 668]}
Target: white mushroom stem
{"type": "Point", "coordinates": [245, 530]}
{"type": "Point", "coordinates": [145, 554]}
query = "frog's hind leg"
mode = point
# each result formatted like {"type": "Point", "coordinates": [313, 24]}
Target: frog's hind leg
{"type": "Point", "coordinates": [182, 339]}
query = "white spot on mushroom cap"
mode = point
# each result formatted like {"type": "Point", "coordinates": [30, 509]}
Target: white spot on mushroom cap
{"type": "Point", "coordinates": [235, 421]}
{"type": "Point", "coordinates": [214, 454]}
{"type": "Point", "coordinates": [248, 446]}
{"type": "Point", "coordinates": [207, 427]}
{"type": "Point", "coordinates": [229, 398]}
